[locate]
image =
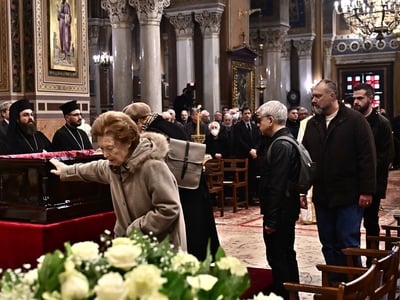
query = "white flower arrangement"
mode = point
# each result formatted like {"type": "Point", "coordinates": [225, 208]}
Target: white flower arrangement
{"type": "Point", "coordinates": [138, 267]}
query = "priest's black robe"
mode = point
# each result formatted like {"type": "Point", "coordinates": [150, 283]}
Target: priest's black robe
{"type": "Point", "coordinates": [69, 138]}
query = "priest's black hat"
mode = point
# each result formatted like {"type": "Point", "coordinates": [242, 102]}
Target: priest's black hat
{"type": "Point", "coordinates": [17, 107]}
{"type": "Point", "coordinates": [69, 106]}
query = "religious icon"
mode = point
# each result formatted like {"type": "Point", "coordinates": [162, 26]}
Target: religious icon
{"type": "Point", "coordinates": [63, 35]}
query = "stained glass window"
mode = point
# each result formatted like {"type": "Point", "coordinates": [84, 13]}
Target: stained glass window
{"type": "Point", "coordinates": [375, 79]}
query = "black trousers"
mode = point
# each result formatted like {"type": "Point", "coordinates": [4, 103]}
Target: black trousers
{"type": "Point", "coordinates": [371, 221]}
{"type": "Point", "coordinates": [281, 256]}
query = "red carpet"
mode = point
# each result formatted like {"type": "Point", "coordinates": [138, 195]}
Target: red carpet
{"type": "Point", "coordinates": [260, 281]}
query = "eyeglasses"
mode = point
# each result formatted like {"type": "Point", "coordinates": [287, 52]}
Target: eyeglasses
{"type": "Point", "coordinates": [258, 119]}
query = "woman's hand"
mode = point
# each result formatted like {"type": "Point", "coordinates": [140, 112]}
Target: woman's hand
{"type": "Point", "coordinates": [58, 164]}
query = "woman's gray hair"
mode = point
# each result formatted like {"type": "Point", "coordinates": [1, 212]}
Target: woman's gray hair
{"type": "Point", "coordinates": [273, 108]}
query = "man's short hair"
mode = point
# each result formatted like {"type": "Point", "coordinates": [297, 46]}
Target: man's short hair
{"type": "Point", "coordinates": [275, 109]}
{"type": "Point", "coordinates": [5, 105]}
{"type": "Point", "coordinates": [137, 110]}
{"type": "Point", "coordinates": [364, 86]}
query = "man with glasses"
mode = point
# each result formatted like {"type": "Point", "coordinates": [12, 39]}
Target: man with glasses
{"type": "Point", "coordinates": [280, 206]}
{"type": "Point", "coordinates": [340, 142]}
{"type": "Point", "coordinates": [69, 136]}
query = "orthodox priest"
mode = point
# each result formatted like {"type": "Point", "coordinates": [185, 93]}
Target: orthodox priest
{"type": "Point", "coordinates": [70, 137]}
{"type": "Point", "coordinates": [22, 135]}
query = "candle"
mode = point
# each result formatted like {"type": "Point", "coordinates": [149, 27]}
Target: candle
{"type": "Point", "coordinates": [198, 121]}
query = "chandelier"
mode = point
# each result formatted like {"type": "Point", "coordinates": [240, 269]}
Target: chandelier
{"type": "Point", "coordinates": [370, 17]}
{"type": "Point", "coordinates": [104, 59]}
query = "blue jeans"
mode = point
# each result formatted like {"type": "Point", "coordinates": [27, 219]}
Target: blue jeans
{"type": "Point", "coordinates": [338, 228]}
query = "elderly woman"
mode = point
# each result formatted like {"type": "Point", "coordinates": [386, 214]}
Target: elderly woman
{"type": "Point", "coordinates": [144, 191]}
{"type": "Point", "coordinates": [196, 204]}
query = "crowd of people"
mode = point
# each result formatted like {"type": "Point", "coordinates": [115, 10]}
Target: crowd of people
{"type": "Point", "coordinates": [353, 149]}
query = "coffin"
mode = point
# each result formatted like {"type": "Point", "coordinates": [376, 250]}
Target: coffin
{"type": "Point", "coordinates": [30, 193]}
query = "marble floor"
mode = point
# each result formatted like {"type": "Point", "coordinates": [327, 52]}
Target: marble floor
{"type": "Point", "coordinates": [241, 236]}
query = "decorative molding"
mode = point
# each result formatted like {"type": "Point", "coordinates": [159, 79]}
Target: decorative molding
{"type": "Point", "coordinates": [183, 25]}
{"type": "Point", "coordinates": [149, 11]}
{"type": "Point", "coordinates": [304, 47]}
{"type": "Point", "coordinates": [210, 22]}
{"type": "Point", "coordinates": [286, 49]}
{"type": "Point", "coordinates": [47, 79]}
{"type": "Point", "coordinates": [119, 12]}
{"type": "Point", "coordinates": [275, 38]}
{"type": "Point", "coordinates": [16, 55]}
{"type": "Point", "coordinates": [4, 47]}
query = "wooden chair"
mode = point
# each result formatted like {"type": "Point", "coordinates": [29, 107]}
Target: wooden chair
{"type": "Point", "coordinates": [362, 287]}
{"type": "Point", "coordinates": [236, 179]}
{"type": "Point", "coordinates": [213, 169]}
{"type": "Point", "coordinates": [387, 264]}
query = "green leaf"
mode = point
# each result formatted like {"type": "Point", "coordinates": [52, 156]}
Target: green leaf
{"type": "Point", "coordinates": [51, 267]}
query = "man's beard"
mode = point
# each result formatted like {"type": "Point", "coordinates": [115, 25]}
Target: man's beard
{"type": "Point", "coordinates": [361, 109]}
{"type": "Point", "coordinates": [28, 128]}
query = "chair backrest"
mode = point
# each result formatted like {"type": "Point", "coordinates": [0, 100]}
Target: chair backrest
{"type": "Point", "coordinates": [387, 281]}
{"type": "Point", "coordinates": [236, 169]}
{"type": "Point", "coordinates": [213, 169]}
{"type": "Point", "coordinates": [387, 262]}
{"type": "Point", "coordinates": [362, 287]}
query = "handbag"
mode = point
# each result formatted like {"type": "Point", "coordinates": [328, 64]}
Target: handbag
{"type": "Point", "coordinates": [185, 160]}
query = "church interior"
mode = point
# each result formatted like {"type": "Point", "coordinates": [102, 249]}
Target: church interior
{"type": "Point", "coordinates": [231, 52]}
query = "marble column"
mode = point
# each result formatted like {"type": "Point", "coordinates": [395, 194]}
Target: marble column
{"type": "Point", "coordinates": [275, 38]}
{"type": "Point", "coordinates": [184, 26]}
{"type": "Point", "coordinates": [285, 70]}
{"type": "Point", "coordinates": [149, 13]}
{"type": "Point", "coordinates": [304, 50]}
{"type": "Point", "coordinates": [121, 19]}
{"type": "Point", "coordinates": [328, 44]}
{"type": "Point", "coordinates": [210, 24]}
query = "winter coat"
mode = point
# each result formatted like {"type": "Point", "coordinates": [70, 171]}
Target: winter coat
{"type": "Point", "coordinates": [382, 131]}
{"type": "Point", "coordinates": [278, 204]}
{"type": "Point", "coordinates": [345, 158]}
{"type": "Point", "coordinates": [143, 190]}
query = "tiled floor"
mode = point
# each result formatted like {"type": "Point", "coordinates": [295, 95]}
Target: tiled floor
{"type": "Point", "coordinates": [241, 236]}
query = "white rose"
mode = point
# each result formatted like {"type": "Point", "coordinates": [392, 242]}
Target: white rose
{"type": "Point", "coordinates": [235, 266]}
{"type": "Point", "coordinates": [110, 287]}
{"type": "Point", "coordinates": [123, 256]}
{"type": "Point", "coordinates": [54, 295]}
{"type": "Point", "coordinates": [144, 281]}
{"type": "Point", "coordinates": [74, 285]}
{"type": "Point", "coordinates": [85, 251]}
{"type": "Point", "coordinates": [122, 241]}
{"type": "Point", "coordinates": [271, 296]}
{"type": "Point", "coordinates": [202, 281]}
{"type": "Point", "coordinates": [184, 262]}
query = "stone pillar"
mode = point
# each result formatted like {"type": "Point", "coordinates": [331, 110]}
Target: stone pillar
{"type": "Point", "coordinates": [184, 26]}
{"type": "Point", "coordinates": [210, 24]}
{"type": "Point", "coordinates": [275, 38]}
{"type": "Point", "coordinates": [94, 72]}
{"type": "Point", "coordinates": [121, 19]}
{"type": "Point", "coordinates": [149, 13]}
{"type": "Point", "coordinates": [285, 70]}
{"type": "Point", "coordinates": [304, 50]}
{"type": "Point", "coordinates": [328, 44]}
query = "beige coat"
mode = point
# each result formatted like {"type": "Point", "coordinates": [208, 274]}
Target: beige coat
{"type": "Point", "coordinates": [144, 191]}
